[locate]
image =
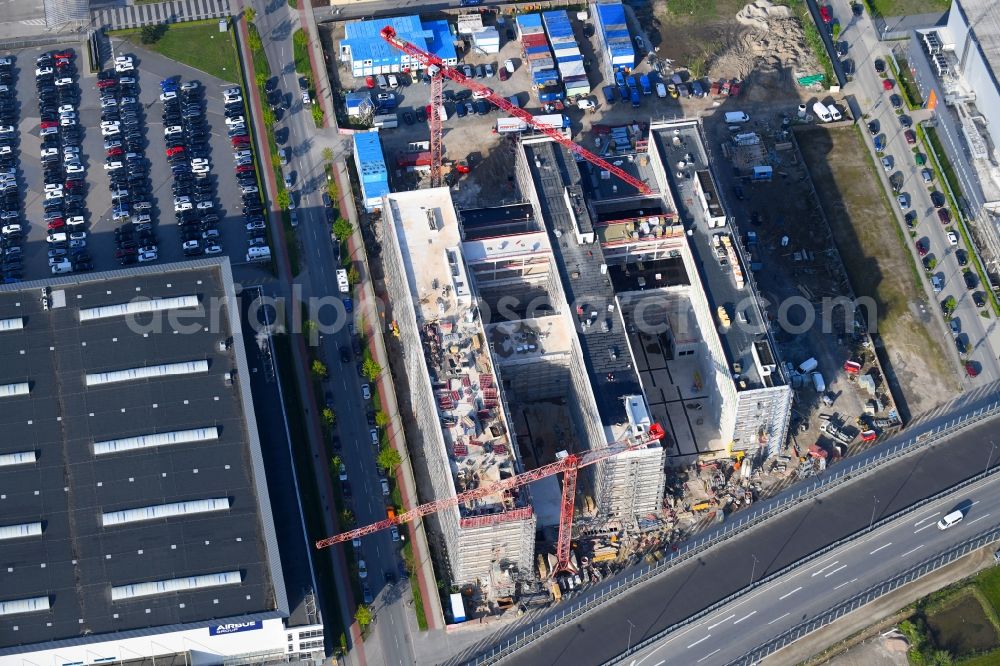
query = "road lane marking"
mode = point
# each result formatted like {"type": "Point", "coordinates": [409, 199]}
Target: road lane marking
{"type": "Point", "coordinates": [985, 515]}
{"type": "Point", "coordinates": [921, 529]}
{"type": "Point", "coordinates": [779, 618]}
{"type": "Point", "coordinates": [713, 626]}
{"type": "Point", "coordinates": [842, 566]}
{"type": "Point", "coordinates": [700, 640]}
{"type": "Point", "coordinates": [660, 662]}
{"type": "Point", "coordinates": [843, 584]}
{"type": "Point", "coordinates": [785, 596]}
{"type": "Point", "coordinates": [740, 620]}
{"type": "Point", "coordinates": [707, 655]}
{"type": "Point", "coordinates": [912, 550]}
{"type": "Point", "coordinates": [880, 548]}
{"type": "Point", "coordinates": [936, 513]}
{"type": "Point", "coordinates": [819, 571]}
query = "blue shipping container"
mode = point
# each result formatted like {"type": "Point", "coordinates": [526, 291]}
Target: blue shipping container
{"type": "Point", "coordinates": [531, 50]}
{"type": "Point", "coordinates": [573, 58]}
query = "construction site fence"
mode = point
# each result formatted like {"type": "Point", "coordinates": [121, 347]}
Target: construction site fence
{"type": "Point", "coordinates": [572, 609]}
{"type": "Point", "coordinates": [856, 601]}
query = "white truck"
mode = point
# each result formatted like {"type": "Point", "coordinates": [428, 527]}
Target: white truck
{"type": "Point", "coordinates": [342, 282]}
{"type": "Point", "coordinates": [822, 112]}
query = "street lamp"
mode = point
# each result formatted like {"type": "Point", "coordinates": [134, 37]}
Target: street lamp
{"type": "Point", "coordinates": [753, 570]}
{"type": "Point", "coordinates": [630, 628]}
{"type": "Point", "coordinates": [989, 459]}
{"type": "Point", "coordinates": [874, 506]}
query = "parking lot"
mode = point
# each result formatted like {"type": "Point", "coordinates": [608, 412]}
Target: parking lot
{"type": "Point", "coordinates": [149, 70]}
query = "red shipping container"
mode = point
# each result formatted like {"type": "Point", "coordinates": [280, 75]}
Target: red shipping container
{"type": "Point", "coordinates": [535, 40]}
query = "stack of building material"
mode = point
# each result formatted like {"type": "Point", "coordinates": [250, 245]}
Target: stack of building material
{"type": "Point", "coordinates": [486, 40]}
{"type": "Point", "coordinates": [569, 60]}
{"type": "Point", "coordinates": [469, 24]}
{"type": "Point", "coordinates": [612, 29]}
{"type": "Point", "coordinates": [538, 57]}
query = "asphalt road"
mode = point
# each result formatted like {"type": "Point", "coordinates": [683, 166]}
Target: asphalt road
{"type": "Point", "coordinates": [864, 49]}
{"type": "Point", "coordinates": [318, 256]}
{"type": "Point", "coordinates": [737, 628]}
{"type": "Point", "coordinates": [697, 584]}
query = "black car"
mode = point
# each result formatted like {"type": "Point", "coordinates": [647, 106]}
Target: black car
{"type": "Point", "coordinates": [905, 121]}
{"type": "Point", "coordinates": [962, 257]}
{"type": "Point", "coordinates": [970, 280]}
{"type": "Point", "coordinates": [879, 66]}
{"type": "Point", "coordinates": [979, 298]}
{"type": "Point", "coordinates": [896, 101]}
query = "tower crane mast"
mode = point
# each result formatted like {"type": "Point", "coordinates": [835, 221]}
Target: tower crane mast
{"type": "Point", "coordinates": [437, 68]}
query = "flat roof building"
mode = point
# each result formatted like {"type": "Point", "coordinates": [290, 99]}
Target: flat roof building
{"type": "Point", "coordinates": [372, 173]}
{"type": "Point", "coordinates": [368, 54]}
{"type": "Point", "coordinates": [456, 392]}
{"type": "Point", "coordinates": [136, 516]}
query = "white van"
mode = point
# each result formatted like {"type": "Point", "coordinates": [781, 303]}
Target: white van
{"type": "Point", "coordinates": [63, 266]}
{"type": "Point", "coordinates": [259, 254]}
{"type": "Point", "coordinates": [822, 112]}
{"type": "Point", "coordinates": [736, 117]}
{"type": "Point", "coordinates": [834, 112]}
{"type": "Point", "coordinates": [953, 518]}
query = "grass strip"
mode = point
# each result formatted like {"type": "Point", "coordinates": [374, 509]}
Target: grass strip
{"type": "Point", "coordinates": [816, 44]}
{"type": "Point", "coordinates": [944, 172]}
{"type": "Point", "coordinates": [418, 598]}
{"type": "Point", "coordinates": [901, 74]}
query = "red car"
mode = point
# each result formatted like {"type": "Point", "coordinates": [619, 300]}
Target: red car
{"type": "Point", "coordinates": [106, 83]}
{"type": "Point", "coordinates": [49, 123]}
{"type": "Point", "coordinates": [370, 81]}
{"type": "Point", "coordinates": [922, 248]}
{"type": "Point", "coordinates": [911, 137]}
{"type": "Point", "coordinates": [944, 216]}
{"type": "Point", "coordinates": [174, 151]}
{"type": "Point", "coordinates": [241, 140]}
{"type": "Point", "coordinates": [886, 84]}
{"type": "Point", "coordinates": [63, 54]}
{"type": "Point", "coordinates": [246, 168]}
{"type": "Point", "coordinates": [115, 152]}
{"type": "Point", "coordinates": [824, 13]}
{"type": "Point", "coordinates": [971, 369]}
{"type": "Point", "coordinates": [57, 223]}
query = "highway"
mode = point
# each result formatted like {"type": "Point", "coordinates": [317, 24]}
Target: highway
{"type": "Point", "coordinates": [864, 49]}
{"type": "Point", "coordinates": [736, 629]}
{"type": "Point", "coordinates": [318, 256]}
{"type": "Point", "coordinates": [694, 585]}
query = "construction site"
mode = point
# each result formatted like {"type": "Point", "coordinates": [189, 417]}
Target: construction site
{"type": "Point", "coordinates": [594, 370]}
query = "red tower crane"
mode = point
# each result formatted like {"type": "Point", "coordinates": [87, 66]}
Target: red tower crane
{"type": "Point", "coordinates": [570, 466]}
{"type": "Point", "coordinates": [436, 69]}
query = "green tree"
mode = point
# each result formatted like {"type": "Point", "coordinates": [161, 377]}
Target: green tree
{"type": "Point", "coordinates": [342, 229]}
{"type": "Point", "coordinates": [336, 461]}
{"type": "Point", "coordinates": [284, 198]}
{"type": "Point", "coordinates": [346, 518]}
{"type": "Point", "coordinates": [319, 369]}
{"type": "Point", "coordinates": [328, 417]}
{"type": "Point", "coordinates": [389, 459]}
{"type": "Point", "coordinates": [949, 305]}
{"type": "Point", "coordinates": [150, 34]}
{"type": "Point", "coordinates": [317, 113]}
{"type": "Point", "coordinates": [381, 419]}
{"type": "Point", "coordinates": [250, 13]}
{"type": "Point", "coordinates": [261, 77]}
{"type": "Point", "coordinates": [267, 114]}
{"type": "Point", "coordinates": [328, 154]}
{"type": "Point", "coordinates": [363, 615]}
{"type": "Point", "coordinates": [353, 275]}
{"type": "Point", "coordinates": [371, 369]}
{"type": "Point", "coordinates": [931, 263]}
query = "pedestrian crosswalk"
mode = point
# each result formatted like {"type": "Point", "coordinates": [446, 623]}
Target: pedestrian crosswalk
{"type": "Point", "coordinates": [173, 11]}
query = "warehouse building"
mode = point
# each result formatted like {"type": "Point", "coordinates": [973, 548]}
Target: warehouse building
{"type": "Point", "coordinates": [368, 54]}
{"type": "Point", "coordinates": [372, 172]}
{"type": "Point", "coordinates": [136, 523]}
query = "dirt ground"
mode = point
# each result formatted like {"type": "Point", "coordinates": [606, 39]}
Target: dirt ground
{"type": "Point", "coordinates": [760, 42]}
{"type": "Point", "coordinates": [878, 264]}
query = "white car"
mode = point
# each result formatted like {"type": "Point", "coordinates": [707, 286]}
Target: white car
{"type": "Point", "coordinates": [509, 65]}
{"type": "Point", "coordinates": [213, 249]}
{"type": "Point", "coordinates": [55, 194]}
{"type": "Point", "coordinates": [110, 130]}
{"type": "Point", "coordinates": [75, 222]}
{"type": "Point", "coordinates": [46, 131]}
{"type": "Point", "coordinates": [167, 96]}
{"type": "Point", "coordinates": [49, 152]}
{"type": "Point", "coordinates": [231, 91]}
{"type": "Point", "coordinates": [52, 187]}
{"type": "Point", "coordinates": [78, 235]}
{"type": "Point", "coordinates": [44, 71]}
{"type": "Point", "coordinates": [108, 103]}
{"type": "Point", "coordinates": [362, 569]}
{"type": "Point", "coordinates": [953, 238]}
{"type": "Point", "coordinates": [110, 123]}
{"type": "Point", "coordinates": [57, 238]}
{"type": "Point", "coordinates": [67, 108]}
{"type": "Point", "coordinates": [172, 130]}
{"type": "Point", "coordinates": [200, 169]}
{"type": "Point", "coordinates": [205, 205]}
{"type": "Point", "coordinates": [249, 189]}
{"type": "Point", "coordinates": [255, 226]}
{"type": "Point", "coordinates": [128, 100]}
{"type": "Point", "coordinates": [366, 392]}
{"type": "Point", "coordinates": [74, 168]}
{"type": "Point", "coordinates": [190, 245]}
{"type": "Point", "coordinates": [230, 99]}
{"type": "Point", "coordinates": [6, 129]}
{"type": "Point", "coordinates": [147, 256]}
{"type": "Point", "coordinates": [124, 66]}
{"type": "Point", "coordinates": [64, 81]}
{"type": "Point", "coordinates": [6, 150]}
{"type": "Point", "coordinates": [182, 206]}
{"type": "Point", "coordinates": [127, 81]}
{"type": "Point", "coordinates": [199, 161]}
{"type": "Point", "coordinates": [112, 166]}
{"type": "Point", "coordinates": [67, 121]}
{"type": "Point", "coordinates": [240, 154]}
{"type": "Point", "coordinates": [305, 98]}
{"type": "Point", "coordinates": [342, 472]}
{"type": "Point", "coordinates": [71, 150]}
{"type": "Point", "coordinates": [238, 120]}
{"type": "Point", "coordinates": [10, 229]}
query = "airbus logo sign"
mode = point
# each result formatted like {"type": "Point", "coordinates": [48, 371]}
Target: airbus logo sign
{"type": "Point", "coordinates": [234, 627]}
